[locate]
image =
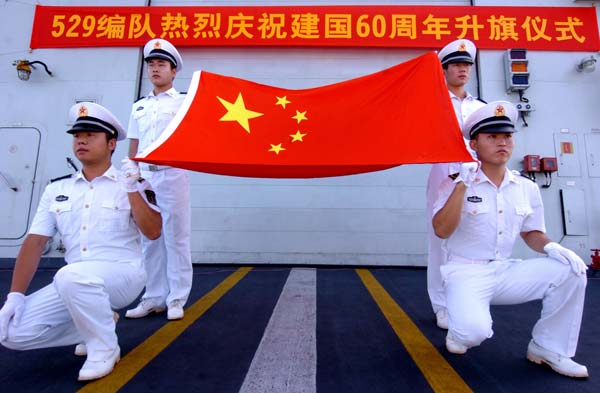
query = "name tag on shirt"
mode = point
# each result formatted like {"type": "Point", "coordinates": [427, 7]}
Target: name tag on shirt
{"type": "Point", "coordinates": [474, 199]}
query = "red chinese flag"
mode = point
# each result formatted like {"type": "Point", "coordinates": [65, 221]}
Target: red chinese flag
{"type": "Point", "coordinates": [230, 126]}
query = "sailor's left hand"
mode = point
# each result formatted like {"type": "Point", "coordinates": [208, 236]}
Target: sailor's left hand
{"type": "Point", "coordinates": [566, 256]}
{"type": "Point", "coordinates": [467, 173]}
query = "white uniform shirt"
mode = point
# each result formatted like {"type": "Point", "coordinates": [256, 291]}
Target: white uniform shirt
{"type": "Point", "coordinates": [151, 115]}
{"type": "Point", "coordinates": [463, 108]}
{"type": "Point", "coordinates": [492, 217]}
{"type": "Point", "coordinates": [93, 218]}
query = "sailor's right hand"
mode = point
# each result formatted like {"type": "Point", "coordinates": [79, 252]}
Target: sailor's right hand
{"type": "Point", "coordinates": [130, 173]}
{"type": "Point", "coordinates": [12, 310]}
{"type": "Point", "coordinates": [467, 173]}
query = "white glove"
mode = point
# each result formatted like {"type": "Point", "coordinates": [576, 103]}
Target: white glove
{"type": "Point", "coordinates": [566, 256]}
{"type": "Point", "coordinates": [12, 309]}
{"type": "Point", "coordinates": [467, 173]}
{"type": "Point", "coordinates": [130, 173]}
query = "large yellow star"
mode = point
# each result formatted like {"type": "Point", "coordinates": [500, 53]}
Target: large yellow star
{"type": "Point", "coordinates": [276, 148]}
{"type": "Point", "coordinates": [283, 101]}
{"type": "Point", "coordinates": [238, 112]}
{"type": "Point", "coordinates": [300, 116]}
{"type": "Point", "coordinates": [297, 136]}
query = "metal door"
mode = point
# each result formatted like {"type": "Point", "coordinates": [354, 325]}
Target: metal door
{"type": "Point", "coordinates": [19, 151]}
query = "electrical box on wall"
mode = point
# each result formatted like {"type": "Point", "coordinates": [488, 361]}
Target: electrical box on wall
{"type": "Point", "coordinates": [549, 164]}
{"type": "Point", "coordinates": [516, 67]}
{"type": "Point", "coordinates": [531, 163]}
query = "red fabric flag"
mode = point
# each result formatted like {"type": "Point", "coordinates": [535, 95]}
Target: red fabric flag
{"type": "Point", "coordinates": [231, 126]}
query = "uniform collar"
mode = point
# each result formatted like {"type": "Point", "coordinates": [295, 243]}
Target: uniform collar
{"type": "Point", "coordinates": [513, 176]}
{"type": "Point", "coordinates": [509, 177]}
{"type": "Point", "coordinates": [111, 173]}
{"type": "Point", "coordinates": [468, 97]}
{"type": "Point", "coordinates": [171, 92]}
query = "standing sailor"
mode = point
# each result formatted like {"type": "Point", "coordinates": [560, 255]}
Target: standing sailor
{"type": "Point", "coordinates": [167, 259]}
{"type": "Point", "coordinates": [457, 61]}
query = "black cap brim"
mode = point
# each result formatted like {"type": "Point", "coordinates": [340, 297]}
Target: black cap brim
{"type": "Point", "coordinates": [494, 129]}
{"type": "Point", "coordinates": [93, 124]}
{"type": "Point", "coordinates": [161, 54]}
{"type": "Point", "coordinates": [457, 57]}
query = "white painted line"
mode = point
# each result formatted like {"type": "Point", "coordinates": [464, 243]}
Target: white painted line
{"type": "Point", "coordinates": [286, 359]}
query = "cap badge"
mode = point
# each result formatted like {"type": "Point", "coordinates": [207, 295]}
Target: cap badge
{"type": "Point", "coordinates": [83, 111]}
{"type": "Point", "coordinates": [157, 45]}
{"type": "Point", "coordinates": [462, 47]}
{"type": "Point", "coordinates": [499, 111]}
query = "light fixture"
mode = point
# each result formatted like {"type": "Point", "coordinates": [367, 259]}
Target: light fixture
{"type": "Point", "coordinates": [587, 64]}
{"type": "Point", "coordinates": [24, 68]}
{"type": "Point", "coordinates": [516, 70]}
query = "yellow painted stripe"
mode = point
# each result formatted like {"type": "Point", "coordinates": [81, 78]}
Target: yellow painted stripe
{"type": "Point", "coordinates": [439, 374]}
{"type": "Point", "coordinates": [140, 356]}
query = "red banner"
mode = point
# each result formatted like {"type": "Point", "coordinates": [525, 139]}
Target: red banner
{"type": "Point", "coordinates": [534, 28]}
{"type": "Point", "coordinates": [235, 127]}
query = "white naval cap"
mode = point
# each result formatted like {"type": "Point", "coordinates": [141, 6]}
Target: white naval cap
{"type": "Point", "coordinates": [497, 117]}
{"type": "Point", "coordinates": [91, 117]}
{"type": "Point", "coordinates": [458, 51]}
{"type": "Point", "coordinates": [162, 49]}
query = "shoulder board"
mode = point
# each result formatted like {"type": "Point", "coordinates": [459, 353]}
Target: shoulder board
{"type": "Point", "coordinates": [517, 173]}
{"type": "Point", "coordinates": [139, 99]}
{"type": "Point", "coordinates": [183, 92]}
{"type": "Point", "coordinates": [150, 196]}
{"type": "Point", "coordinates": [479, 99]}
{"type": "Point", "coordinates": [61, 178]}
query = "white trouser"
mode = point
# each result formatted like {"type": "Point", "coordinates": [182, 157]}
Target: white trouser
{"type": "Point", "coordinates": [471, 288]}
{"type": "Point", "coordinates": [77, 307]}
{"type": "Point", "coordinates": [435, 254]}
{"type": "Point", "coordinates": [168, 260]}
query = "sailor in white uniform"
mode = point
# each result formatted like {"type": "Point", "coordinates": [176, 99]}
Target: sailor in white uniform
{"type": "Point", "coordinates": [480, 214]}
{"type": "Point", "coordinates": [98, 213]}
{"type": "Point", "coordinates": [167, 260]}
{"type": "Point", "coordinates": [457, 60]}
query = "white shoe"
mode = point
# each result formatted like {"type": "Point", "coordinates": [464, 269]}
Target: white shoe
{"type": "Point", "coordinates": [144, 308]}
{"type": "Point", "coordinates": [454, 346]}
{"type": "Point", "coordinates": [441, 317]}
{"type": "Point", "coordinates": [81, 348]}
{"type": "Point", "coordinates": [175, 310]}
{"type": "Point", "coordinates": [561, 364]}
{"type": "Point", "coordinates": [100, 368]}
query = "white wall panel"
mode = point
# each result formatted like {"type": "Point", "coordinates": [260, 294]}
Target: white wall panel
{"type": "Point", "coordinates": [375, 218]}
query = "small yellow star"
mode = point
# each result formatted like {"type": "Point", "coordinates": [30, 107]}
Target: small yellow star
{"type": "Point", "coordinates": [297, 136]}
{"type": "Point", "coordinates": [237, 112]}
{"type": "Point", "coordinates": [276, 148]}
{"type": "Point", "coordinates": [300, 116]}
{"type": "Point", "coordinates": [283, 101]}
